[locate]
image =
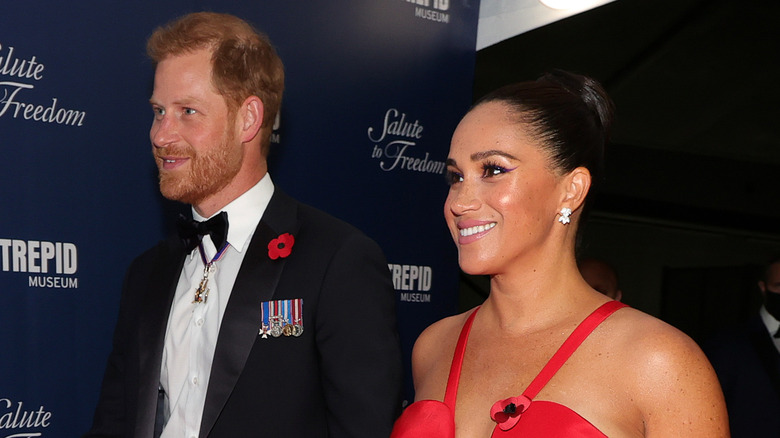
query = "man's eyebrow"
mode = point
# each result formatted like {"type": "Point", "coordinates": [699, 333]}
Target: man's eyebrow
{"type": "Point", "coordinates": [187, 100]}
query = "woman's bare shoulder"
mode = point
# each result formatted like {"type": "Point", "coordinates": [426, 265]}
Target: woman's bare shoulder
{"type": "Point", "coordinates": [650, 337]}
{"type": "Point", "coordinates": [668, 375]}
{"type": "Point", "coordinates": [445, 327]}
{"type": "Point", "coordinates": [433, 350]}
{"type": "Point", "coordinates": [436, 337]}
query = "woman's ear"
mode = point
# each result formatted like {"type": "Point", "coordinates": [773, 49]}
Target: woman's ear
{"type": "Point", "coordinates": [576, 185]}
{"type": "Point", "coordinates": [250, 118]}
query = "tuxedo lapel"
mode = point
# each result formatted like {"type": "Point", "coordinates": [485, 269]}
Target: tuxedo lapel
{"type": "Point", "coordinates": [157, 300]}
{"type": "Point", "coordinates": [256, 282]}
{"type": "Point", "coordinates": [766, 350]}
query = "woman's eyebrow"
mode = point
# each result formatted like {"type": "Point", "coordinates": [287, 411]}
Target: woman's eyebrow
{"type": "Point", "coordinates": [484, 154]}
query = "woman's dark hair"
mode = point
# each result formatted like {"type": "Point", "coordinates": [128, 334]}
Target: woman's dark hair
{"type": "Point", "coordinates": [569, 114]}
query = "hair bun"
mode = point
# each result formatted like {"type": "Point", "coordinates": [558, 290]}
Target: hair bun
{"type": "Point", "coordinates": [590, 92]}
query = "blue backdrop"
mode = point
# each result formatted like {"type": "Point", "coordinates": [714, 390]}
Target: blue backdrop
{"type": "Point", "coordinates": [374, 91]}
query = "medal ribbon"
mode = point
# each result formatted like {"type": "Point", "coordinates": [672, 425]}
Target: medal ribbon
{"type": "Point", "coordinates": [297, 309]}
{"type": "Point", "coordinates": [216, 257]}
{"type": "Point", "coordinates": [266, 324]}
{"type": "Point", "coordinates": [202, 292]}
{"type": "Point", "coordinates": [279, 314]}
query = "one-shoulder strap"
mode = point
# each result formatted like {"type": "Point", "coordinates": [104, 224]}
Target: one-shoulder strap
{"type": "Point", "coordinates": [457, 362]}
{"type": "Point", "coordinates": [570, 345]}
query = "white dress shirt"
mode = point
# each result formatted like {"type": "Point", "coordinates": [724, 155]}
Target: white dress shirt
{"type": "Point", "coordinates": [771, 325]}
{"type": "Point", "coordinates": [191, 335]}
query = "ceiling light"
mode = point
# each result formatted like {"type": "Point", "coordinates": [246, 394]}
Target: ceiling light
{"type": "Point", "coordinates": [567, 4]}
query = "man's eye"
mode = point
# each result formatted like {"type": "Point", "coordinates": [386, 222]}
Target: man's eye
{"type": "Point", "coordinates": [453, 177]}
{"type": "Point", "coordinates": [158, 112]}
{"type": "Point", "coordinates": [189, 111]}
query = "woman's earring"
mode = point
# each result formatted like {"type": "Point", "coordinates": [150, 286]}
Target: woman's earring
{"type": "Point", "coordinates": [565, 213]}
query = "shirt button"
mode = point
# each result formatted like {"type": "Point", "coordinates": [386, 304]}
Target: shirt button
{"type": "Point", "coordinates": [195, 380]}
{"type": "Point", "coordinates": [199, 322]}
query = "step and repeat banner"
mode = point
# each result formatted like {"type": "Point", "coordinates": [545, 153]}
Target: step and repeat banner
{"type": "Point", "coordinates": [374, 92]}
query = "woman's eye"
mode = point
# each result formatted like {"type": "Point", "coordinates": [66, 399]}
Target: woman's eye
{"type": "Point", "coordinates": [453, 177]}
{"type": "Point", "coordinates": [489, 170]}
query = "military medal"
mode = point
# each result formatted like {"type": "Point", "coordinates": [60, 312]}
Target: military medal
{"type": "Point", "coordinates": [202, 292]}
{"type": "Point", "coordinates": [286, 318]}
{"type": "Point", "coordinates": [265, 327]}
{"type": "Point", "coordinates": [297, 315]}
{"type": "Point", "coordinates": [277, 320]}
{"type": "Point", "coordinates": [281, 318]}
{"type": "Point", "coordinates": [276, 327]}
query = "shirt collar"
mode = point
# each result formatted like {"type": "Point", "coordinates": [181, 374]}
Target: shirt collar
{"type": "Point", "coordinates": [769, 321]}
{"type": "Point", "coordinates": [244, 213]}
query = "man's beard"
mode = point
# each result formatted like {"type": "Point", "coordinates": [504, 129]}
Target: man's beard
{"type": "Point", "coordinates": [208, 173]}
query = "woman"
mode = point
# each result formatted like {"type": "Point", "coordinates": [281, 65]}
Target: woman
{"type": "Point", "coordinates": [521, 165]}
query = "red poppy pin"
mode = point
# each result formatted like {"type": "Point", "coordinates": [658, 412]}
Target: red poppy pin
{"type": "Point", "coordinates": [281, 246]}
{"type": "Point", "coordinates": [507, 412]}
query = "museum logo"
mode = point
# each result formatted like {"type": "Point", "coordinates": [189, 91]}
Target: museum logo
{"type": "Point", "coordinates": [18, 74]}
{"type": "Point", "coordinates": [431, 10]}
{"type": "Point", "coordinates": [395, 145]}
{"type": "Point", "coordinates": [17, 421]}
{"type": "Point", "coordinates": [49, 265]}
{"type": "Point", "coordinates": [412, 282]}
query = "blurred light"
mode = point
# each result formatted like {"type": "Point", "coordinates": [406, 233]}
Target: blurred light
{"type": "Point", "coordinates": [567, 4]}
{"type": "Point", "coordinates": [503, 19]}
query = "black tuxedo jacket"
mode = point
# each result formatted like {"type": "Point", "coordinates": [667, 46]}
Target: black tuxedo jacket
{"type": "Point", "coordinates": [748, 367]}
{"type": "Point", "coordinates": [340, 378]}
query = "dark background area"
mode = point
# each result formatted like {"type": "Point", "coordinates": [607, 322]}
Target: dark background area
{"type": "Point", "coordinates": [691, 204]}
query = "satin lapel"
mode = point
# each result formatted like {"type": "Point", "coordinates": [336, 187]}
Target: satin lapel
{"type": "Point", "coordinates": [766, 350]}
{"type": "Point", "coordinates": [256, 282]}
{"type": "Point", "coordinates": [157, 299]}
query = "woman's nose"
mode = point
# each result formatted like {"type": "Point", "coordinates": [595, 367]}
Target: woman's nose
{"type": "Point", "coordinates": [463, 198]}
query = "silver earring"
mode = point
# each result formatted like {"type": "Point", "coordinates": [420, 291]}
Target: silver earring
{"type": "Point", "coordinates": [565, 213]}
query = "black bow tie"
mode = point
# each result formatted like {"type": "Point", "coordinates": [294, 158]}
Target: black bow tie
{"type": "Point", "coordinates": [191, 232]}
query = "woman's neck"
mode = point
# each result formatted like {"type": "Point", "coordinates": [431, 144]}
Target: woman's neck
{"type": "Point", "coordinates": [536, 296]}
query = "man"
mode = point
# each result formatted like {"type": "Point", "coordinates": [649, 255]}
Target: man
{"type": "Point", "coordinates": [747, 361]}
{"type": "Point", "coordinates": [287, 329]}
{"type": "Point", "coordinates": [600, 276]}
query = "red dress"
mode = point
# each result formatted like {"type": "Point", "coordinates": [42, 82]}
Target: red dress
{"type": "Point", "coordinates": [519, 416]}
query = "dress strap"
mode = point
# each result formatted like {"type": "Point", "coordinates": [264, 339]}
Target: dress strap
{"type": "Point", "coordinates": [570, 345]}
{"type": "Point", "coordinates": [451, 393]}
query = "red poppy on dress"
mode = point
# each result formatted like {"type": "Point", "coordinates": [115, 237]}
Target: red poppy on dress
{"type": "Point", "coordinates": [507, 412]}
{"type": "Point", "coordinates": [281, 246]}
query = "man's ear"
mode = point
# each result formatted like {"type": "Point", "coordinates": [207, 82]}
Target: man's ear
{"type": "Point", "coordinates": [576, 185]}
{"type": "Point", "coordinates": [250, 118]}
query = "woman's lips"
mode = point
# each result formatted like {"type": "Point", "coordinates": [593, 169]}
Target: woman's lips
{"type": "Point", "coordinates": [470, 231]}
